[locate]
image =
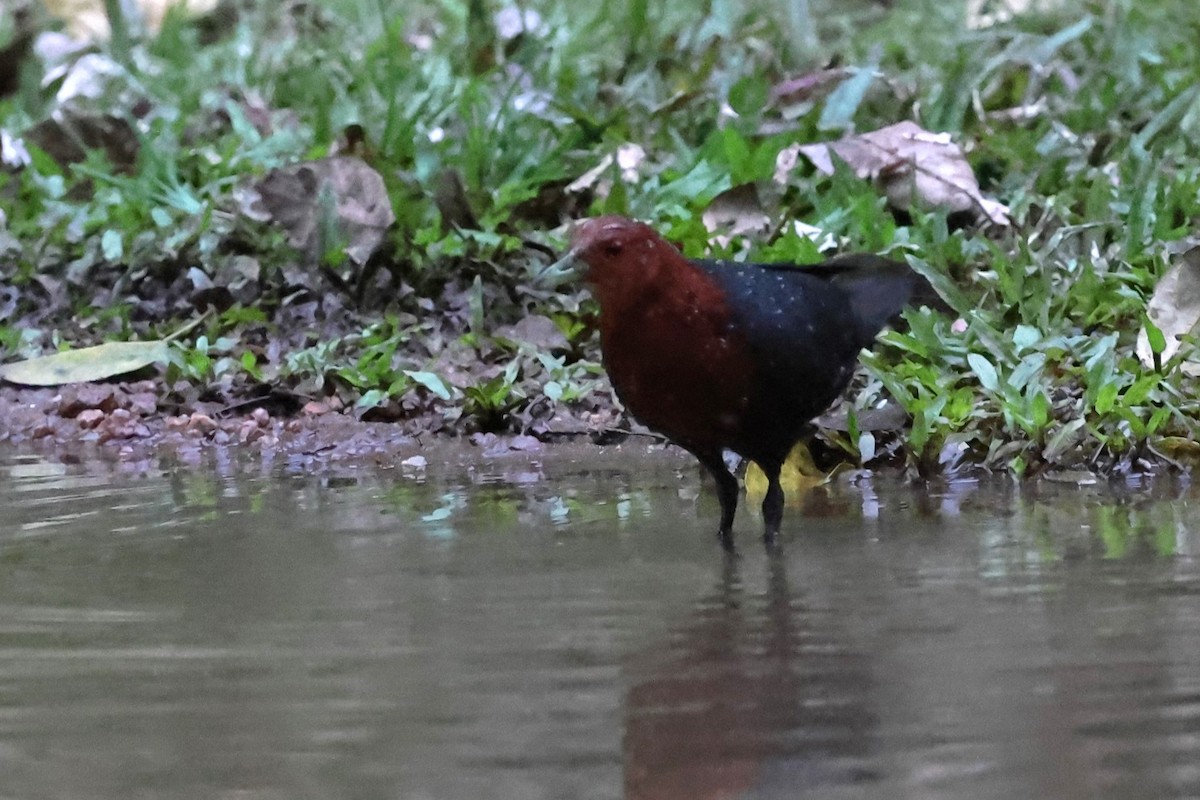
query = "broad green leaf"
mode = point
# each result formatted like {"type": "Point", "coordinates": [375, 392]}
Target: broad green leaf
{"type": "Point", "coordinates": [371, 398]}
{"type": "Point", "coordinates": [1030, 365]}
{"type": "Point", "coordinates": [942, 284]}
{"type": "Point", "coordinates": [1106, 397]}
{"type": "Point", "coordinates": [1136, 394]}
{"type": "Point", "coordinates": [1063, 440]}
{"type": "Point", "coordinates": [844, 101]}
{"type": "Point", "coordinates": [698, 187]}
{"type": "Point", "coordinates": [1155, 340]}
{"type": "Point", "coordinates": [1026, 336]}
{"type": "Point", "coordinates": [430, 381]}
{"type": "Point", "coordinates": [111, 246]}
{"type": "Point", "coordinates": [984, 371]}
{"type": "Point", "coordinates": [87, 364]}
{"type": "Point", "coordinates": [749, 95]}
{"type": "Point", "coordinates": [1052, 44]}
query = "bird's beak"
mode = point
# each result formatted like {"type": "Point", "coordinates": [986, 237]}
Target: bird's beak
{"type": "Point", "coordinates": [567, 269]}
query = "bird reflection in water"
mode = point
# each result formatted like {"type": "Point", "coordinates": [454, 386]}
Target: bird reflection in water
{"type": "Point", "coordinates": [758, 697]}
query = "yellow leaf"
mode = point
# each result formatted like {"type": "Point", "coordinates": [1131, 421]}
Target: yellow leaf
{"type": "Point", "coordinates": [87, 364]}
{"type": "Point", "coordinates": [798, 476]}
{"type": "Point", "coordinates": [1179, 448]}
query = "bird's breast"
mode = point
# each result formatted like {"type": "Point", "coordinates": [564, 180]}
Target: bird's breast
{"type": "Point", "coordinates": [679, 364]}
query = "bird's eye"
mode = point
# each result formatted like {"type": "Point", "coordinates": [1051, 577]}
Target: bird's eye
{"type": "Point", "coordinates": [612, 249]}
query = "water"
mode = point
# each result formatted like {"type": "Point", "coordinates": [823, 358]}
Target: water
{"type": "Point", "coordinates": [572, 630]}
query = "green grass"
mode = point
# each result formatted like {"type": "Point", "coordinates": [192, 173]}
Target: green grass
{"type": "Point", "coordinates": [1101, 177]}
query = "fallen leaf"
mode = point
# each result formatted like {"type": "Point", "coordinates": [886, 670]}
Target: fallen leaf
{"type": "Point", "coordinates": [87, 364]}
{"type": "Point", "coordinates": [68, 136]}
{"type": "Point", "coordinates": [913, 166]}
{"type": "Point", "coordinates": [800, 89]}
{"type": "Point", "coordinates": [302, 197]}
{"type": "Point", "coordinates": [525, 444]}
{"type": "Point", "coordinates": [450, 197]}
{"type": "Point", "coordinates": [1180, 449]}
{"type": "Point", "coordinates": [538, 331]}
{"type": "Point", "coordinates": [628, 157]}
{"type": "Point", "coordinates": [591, 178]}
{"type": "Point", "coordinates": [13, 154]}
{"type": "Point", "coordinates": [798, 475]}
{"type": "Point", "coordinates": [785, 162]}
{"type": "Point", "coordinates": [735, 212]}
{"type": "Point", "coordinates": [1174, 309]}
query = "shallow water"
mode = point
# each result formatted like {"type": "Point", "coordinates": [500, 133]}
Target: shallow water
{"type": "Point", "coordinates": [572, 630]}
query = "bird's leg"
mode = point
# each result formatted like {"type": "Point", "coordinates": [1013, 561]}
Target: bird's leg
{"type": "Point", "coordinates": [772, 505]}
{"type": "Point", "coordinates": [727, 493]}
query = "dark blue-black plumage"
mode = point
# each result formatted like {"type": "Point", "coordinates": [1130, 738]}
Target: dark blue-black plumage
{"type": "Point", "coordinates": [803, 328]}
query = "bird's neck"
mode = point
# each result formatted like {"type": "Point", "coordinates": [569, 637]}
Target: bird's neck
{"type": "Point", "coordinates": [638, 281]}
{"type": "Point", "coordinates": [657, 289]}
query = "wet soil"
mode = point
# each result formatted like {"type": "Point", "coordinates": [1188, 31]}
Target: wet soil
{"type": "Point", "coordinates": [130, 423]}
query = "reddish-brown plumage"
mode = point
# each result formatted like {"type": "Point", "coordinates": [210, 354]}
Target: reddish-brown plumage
{"type": "Point", "coordinates": [719, 355]}
{"type": "Point", "coordinates": [664, 330]}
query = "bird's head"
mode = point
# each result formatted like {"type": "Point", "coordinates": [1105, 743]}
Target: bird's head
{"type": "Point", "coordinates": [610, 250]}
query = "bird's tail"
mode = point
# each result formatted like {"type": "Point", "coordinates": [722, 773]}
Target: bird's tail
{"type": "Point", "coordinates": [879, 289]}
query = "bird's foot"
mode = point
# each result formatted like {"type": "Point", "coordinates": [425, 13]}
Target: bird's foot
{"type": "Point", "coordinates": [725, 536]}
{"type": "Point", "coordinates": [771, 539]}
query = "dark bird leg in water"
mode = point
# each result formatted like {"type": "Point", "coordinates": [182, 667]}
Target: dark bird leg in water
{"type": "Point", "coordinates": [727, 493]}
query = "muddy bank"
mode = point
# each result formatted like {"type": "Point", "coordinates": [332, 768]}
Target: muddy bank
{"type": "Point", "coordinates": [133, 427]}
{"type": "Point", "coordinates": [128, 423]}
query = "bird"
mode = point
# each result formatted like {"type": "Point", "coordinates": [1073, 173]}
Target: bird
{"type": "Point", "coordinates": [722, 355]}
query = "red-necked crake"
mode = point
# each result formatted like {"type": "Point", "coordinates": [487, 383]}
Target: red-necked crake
{"type": "Point", "coordinates": [717, 354]}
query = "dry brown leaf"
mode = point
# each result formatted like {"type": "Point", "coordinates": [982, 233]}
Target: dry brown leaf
{"type": "Point", "coordinates": [450, 197]}
{"type": "Point", "coordinates": [735, 212]}
{"type": "Point", "coordinates": [538, 331]}
{"type": "Point", "coordinates": [1174, 308]}
{"type": "Point", "coordinates": [295, 199]}
{"type": "Point", "coordinates": [628, 158]}
{"type": "Point", "coordinates": [806, 87]}
{"type": "Point", "coordinates": [591, 178]}
{"type": "Point", "coordinates": [912, 165]}
{"type": "Point", "coordinates": [67, 137]}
